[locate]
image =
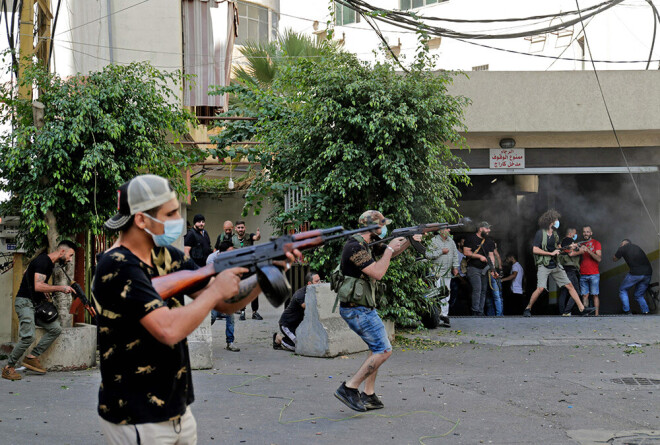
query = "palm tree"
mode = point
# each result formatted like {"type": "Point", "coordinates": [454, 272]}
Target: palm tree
{"type": "Point", "coordinates": [264, 60]}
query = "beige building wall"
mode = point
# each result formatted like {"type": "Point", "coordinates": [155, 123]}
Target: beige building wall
{"type": "Point", "coordinates": [217, 211]}
{"type": "Point", "coordinates": [561, 109]}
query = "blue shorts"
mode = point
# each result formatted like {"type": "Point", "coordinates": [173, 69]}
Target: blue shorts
{"type": "Point", "coordinates": [366, 323]}
{"type": "Point", "coordinates": [589, 284]}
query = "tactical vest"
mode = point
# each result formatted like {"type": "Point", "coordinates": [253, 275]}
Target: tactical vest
{"type": "Point", "coordinates": [358, 291]}
{"type": "Point", "coordinates": [567, 260]}
{"type": "Point", "coordinates": [545, 259]}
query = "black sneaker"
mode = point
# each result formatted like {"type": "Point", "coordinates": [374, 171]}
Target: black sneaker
{"type": "Point", "coordinates": [256, 316]}
{"type": "Point", "coordinates": [445, 321]}
{"type": "Point", "coordinates": [276, 345]}
{"type": "Point", "coordinates": [372, 401]}
{"type": "Point", "coordinates": [242, 317]}
{"type": "Point", "coordinates": [350, 397]}
{"type": "Point", "coordinates": [587, 311]}
{"type": "Point", "coordinates": [527, 313]}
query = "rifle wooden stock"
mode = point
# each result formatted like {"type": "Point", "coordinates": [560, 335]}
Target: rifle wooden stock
{"type": "Point", "coordinates": [182, 281]}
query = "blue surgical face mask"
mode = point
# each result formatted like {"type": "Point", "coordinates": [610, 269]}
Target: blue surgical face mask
{"type": "Point", "coordinates": [556, 224]}
{"type": "Point", "coordinates": [383, 232]}
{"type": "Point", "coordinates": [574, 237]}
{"type": "Point", "coordinates": [173, 229]}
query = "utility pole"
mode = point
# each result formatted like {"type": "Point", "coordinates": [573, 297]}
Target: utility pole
{"type": "Point", "coordinates": [26, 52]}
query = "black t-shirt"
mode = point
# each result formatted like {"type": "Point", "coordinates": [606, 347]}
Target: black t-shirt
{"type": "Point", "coordinates": [472, 241]}
{"type": "Point", "coordinates": [356, 256]}
{"type": "Point", "coordinates": [142, 379]}
{"type": "Point", "coordinates": [200, 245]}
{"type": "Point", "coordinates": [294, 313]}
{"type": "Point", "coordinates": [42, 265]}
{"type": "Point", "coordinates": [636, 259]}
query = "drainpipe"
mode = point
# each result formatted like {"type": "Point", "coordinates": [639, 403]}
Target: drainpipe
{"type": "Point", "coordinates": [109, 7]}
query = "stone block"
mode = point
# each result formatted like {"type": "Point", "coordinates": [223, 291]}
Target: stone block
{"type": "Point", "coordinates": [324, 333]}
{"type": "Point", "coordinates": [75, 348]}
{"type": "Point", "coordinates": [200, 344]}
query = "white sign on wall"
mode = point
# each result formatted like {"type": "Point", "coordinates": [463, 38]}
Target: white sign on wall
{"type": "Point", "coordinates": [507, 158]}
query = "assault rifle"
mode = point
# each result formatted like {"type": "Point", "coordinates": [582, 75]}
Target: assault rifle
{"type": "Point", "coordinates": [80, 293]}
{"type": "Point", "coordinates": [408, 232]}
{"type": "Point", "coordinates": [258, 259]}
{"type": "Point", "coordinates": [567, 250]}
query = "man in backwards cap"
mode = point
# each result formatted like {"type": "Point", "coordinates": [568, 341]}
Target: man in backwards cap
{"type": "Point", "coordinates": [146, 385]}
{"type": "Point", "coordinates": [357, 295]}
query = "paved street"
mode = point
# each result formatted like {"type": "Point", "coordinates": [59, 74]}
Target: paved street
{"type": "Point", "coordinates": [549, 380]}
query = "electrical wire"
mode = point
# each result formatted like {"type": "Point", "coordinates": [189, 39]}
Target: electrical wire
{"type": "Point", "coordinates": [413, 22]}
{"type": "Point", "coordinates": [616, 136]}
{"type": "Point", "coordinates": [52, 34]}
{"type": "Point", "coordinates": [103, 17]}
{"type": "Point", "coordinates": [320, 56]}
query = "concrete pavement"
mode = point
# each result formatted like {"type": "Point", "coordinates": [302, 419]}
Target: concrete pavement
{"type": "Point", "coordinates": [551, 380]}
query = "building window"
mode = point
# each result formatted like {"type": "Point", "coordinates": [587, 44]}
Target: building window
{"type": "Point", "coordinates": [412, 4]}
{"type": "Point", "coordinates": [345, 15]}
{"type": "Point", "coordinates": [480, 68]}
{"type": "Point", "coordinates": [253, 24]}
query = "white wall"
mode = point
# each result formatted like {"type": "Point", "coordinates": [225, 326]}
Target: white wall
{"type": "Point", "coordinates": [217, 211]}
{"type": "Point", "coordinates": [150, 31]}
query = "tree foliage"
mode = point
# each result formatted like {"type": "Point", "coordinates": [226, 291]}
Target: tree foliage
{"type": "Point", "coordinates": [354, 137]}
{"type": "Point", "coordinates": [99, 130]}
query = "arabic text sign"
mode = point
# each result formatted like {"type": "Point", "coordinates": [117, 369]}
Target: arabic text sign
{"type": "Point", "coordinates": [507, 158]}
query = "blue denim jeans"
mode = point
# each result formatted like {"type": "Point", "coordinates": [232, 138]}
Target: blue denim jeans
{"type": "Point", "coordinates": [494, 298]}
{"type": "Point", "coordinates": [366, 323]}
{"type": "Point", "coordinates": [589, 284]}
{"type": "Point", "coordinates": [229, 328]}
{"type": "Point", "coordinates": [642, 283]}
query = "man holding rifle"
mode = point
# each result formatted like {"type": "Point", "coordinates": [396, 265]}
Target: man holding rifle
{"type": "Point", "coordinates": [146, 386]}
{"type": "Point", "coordinates": [546, 250]}
{"type": "Point", "coordinates": [357, 295]}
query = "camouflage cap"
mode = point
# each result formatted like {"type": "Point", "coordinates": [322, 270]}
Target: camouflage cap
{"type": "Point", "coordinates": [373, 217]}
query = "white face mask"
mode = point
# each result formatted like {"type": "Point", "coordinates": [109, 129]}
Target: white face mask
{"type": "Point", "coordinates": [173, 229]}
{"type": "Point", "coordinates": [556, 224]}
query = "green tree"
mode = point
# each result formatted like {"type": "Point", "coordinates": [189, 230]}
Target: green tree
{"type": "Point", "coordinates": [99, 130]}
{"type": "Point", "coordinates": [264, 60]}
{"type": "Point", "coordinates": [354, 137]}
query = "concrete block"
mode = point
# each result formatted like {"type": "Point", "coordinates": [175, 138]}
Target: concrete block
{"type": "Point", "coordinates": [200, 344]}
{"type": "Point", "coordinates": [75, 348]}
{"type": "Point", "coordinates": [324, 333]}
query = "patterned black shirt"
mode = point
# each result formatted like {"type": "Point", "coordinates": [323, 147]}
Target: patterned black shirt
{"type": "Point", "coordinates": [142, 379]}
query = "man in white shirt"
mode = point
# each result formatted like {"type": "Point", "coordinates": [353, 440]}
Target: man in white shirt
{"type": "Point", "coordinates": [518, 301]}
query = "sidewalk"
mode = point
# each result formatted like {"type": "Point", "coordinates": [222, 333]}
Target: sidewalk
{"type": "Point", "coordinates": [551, 380]}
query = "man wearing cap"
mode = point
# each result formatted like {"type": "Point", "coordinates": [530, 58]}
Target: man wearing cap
{"type": "Point", "coordinates": [197, 244]}
{"type": "Point", "coordinates": [357, 295]}
{"type": "Point", "coordinates": [478, 249]}
{"type": "Point", "coordinates": [146, 385]}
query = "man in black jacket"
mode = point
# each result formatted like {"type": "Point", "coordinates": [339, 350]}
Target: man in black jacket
{"type": "Point", "coordinates": [197, 244]}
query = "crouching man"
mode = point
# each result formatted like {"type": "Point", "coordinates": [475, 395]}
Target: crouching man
{"type": "Point", "coordinates": [357, 295]}
{"type": "Point", "coordinates": [293, 315]}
